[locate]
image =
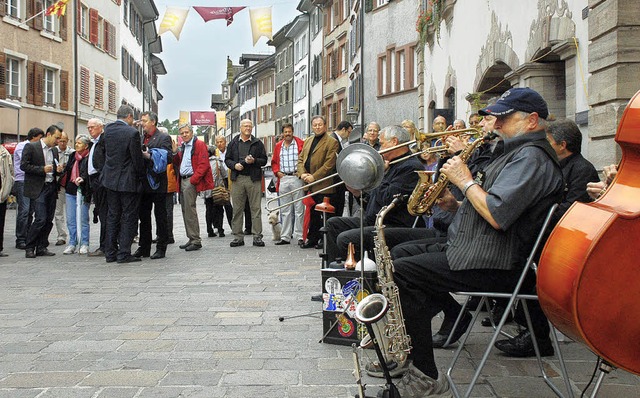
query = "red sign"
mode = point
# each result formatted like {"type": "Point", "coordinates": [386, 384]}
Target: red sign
{"type": "Point", "coordinates": [203, 118]}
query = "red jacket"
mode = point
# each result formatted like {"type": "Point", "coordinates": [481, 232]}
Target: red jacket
{"type": "Point", "coordinates": [202, 177]}
{"type": "Point", "coordinates": [275, 159]}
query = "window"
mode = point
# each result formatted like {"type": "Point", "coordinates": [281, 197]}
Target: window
{"type": "Point", "coordinates": [346, 9]}
{"type": "Point", "coordinates": [109, 39]}
{"type": "Point", "coordinates": [84, 22]}
{"type": "Point", "coordinates": [397, 70]}
{"type": "Point", "coordinates": [125, 12]}
{"type": "Point", "coordinates": [99, 91]}
{"type": "Point", "coordinates": [49, 87]}
{"type": "Point", "coordinates": [125, 64]}
{"type": "Point", "coordinates": [380, 3]}
{"type": "Point", "coordinates": [48, 21]}
{"type": "Point", "coordinates": [13, 8]}
{"type": "Point", "coordinates": [112, 96]}
{"type": "Point", "coordinates": [383, 74]}
{"type": "Point", "coordinates": [13, 78]}
{"type": "Point", "coordinates": [343, 59]}
{"type": "Point", "coordinates": [100, 30]}
{"type": "Point", "coordinates": [414, 83]}
{"type": "Point", "coordinates": [84, 85]}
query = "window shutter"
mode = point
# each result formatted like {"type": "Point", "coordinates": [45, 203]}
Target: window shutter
{"type": "Point", "coordinates": [368, 5]}
{"type": "Point", "coordinates": [38, 94]}
{"type": "Point", "coordinates": [37, 21]}
{"type": "Point", "coordinates": [99, 92]}
{"type": "Point", "coordinates": [64, 90]}
{"type": "Point", "coordinates": [112, 96]}
{"type": "Point", "coordinates": [93, 26]}
{"type": "Point", "coordinates": [84, 85]}
{"type": "Point", "coordinates": [107, 38]}
{"type": "Point", "coordinates": [78, 6]}
{"type": "Point", "coordinates": [118, 2]}
{"type": "Point", "coordinates": [31, 6]}
{"type": "Point", "coordinates": [63, 27]}
{"type": "Point", "coordinates": [3, 9]}
{"type": "Point", "coordinates": [3, 74]}
{"type": "Point", "coordinates": [31, 83]}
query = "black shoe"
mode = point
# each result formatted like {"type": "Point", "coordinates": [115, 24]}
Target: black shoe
{"type": "Point", "coordinates": [236, 243]}
{"type": "Point", "coordinates": [496, 314]}
{"type": "Point", "coordinates": [30, 253]}
{"type": "Point", "coordinates": [44, 253]}
{"type": "Point", "coordinates": [185, 245]}
{"type": "Point", "coordinates": [142, 253]}
{"type": "Point", "coordinates": [521, 346]}
{"type": "Point", "coordinates": [281, 242]}
{"type": "Point", "coordinates": [308, 245]}
{"type": "Point", "coordinates": [158, 254]}
{"type": "Point", "coordinates": [212, 234]}
{"type": "Point", "coordinates": [193, 247]}
{"type": "Point", "coordinates": [440, 338]}
{"type": "Point", "coordinates": [318, 246]}
{"type": "Point", "coordinates": [110, 260]}
{"type": "Point", "coordinates": [257, 241]}
{"type": "Point", "coordinates": [21, 246]}
{"type": "Point", "coordinates": [129, 259]}
{"type": "Point", "coordinates": [300, 242]}
{"type": "Point", "coordinates": [171, 241]}
{"type": "Point", "coordinates": [221, 233]}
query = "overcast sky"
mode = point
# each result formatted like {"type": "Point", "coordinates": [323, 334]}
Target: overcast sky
{"type": "Point", "coordinates": [196, 64]}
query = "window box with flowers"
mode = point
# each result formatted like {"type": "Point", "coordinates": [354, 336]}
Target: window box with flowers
{"type": "Point", "coordinates": [429, 20]}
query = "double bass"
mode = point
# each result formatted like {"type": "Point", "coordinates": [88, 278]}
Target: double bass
{"type": "Point", "coordinates": [589, 272]}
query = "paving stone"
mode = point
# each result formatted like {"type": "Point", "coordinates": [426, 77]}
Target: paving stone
{"type": "Point", "coordinates": [124, 378]}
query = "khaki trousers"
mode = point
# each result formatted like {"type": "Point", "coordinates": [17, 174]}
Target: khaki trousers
{"type": "Point", "coordinates": [188, 196]}
{"type": "Point", "coordinates": [242, 190]}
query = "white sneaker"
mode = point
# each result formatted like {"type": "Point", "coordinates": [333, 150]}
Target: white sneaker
{"type": "Point", "coordinates": [84, 249]}
{"type": "Point", "coordinates": [69, 250]}
{"type": "Point", "coordinates": [415, 384]}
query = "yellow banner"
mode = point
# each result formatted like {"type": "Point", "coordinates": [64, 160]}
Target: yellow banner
{"type": "Point", "coordinates": [184, 117]}
{"type": "Point", "coordinates": [221, 119]}
{"type": "Point", "coordinates": [173, 21]}
{"type": "Point", "coordinates": [260, 23]}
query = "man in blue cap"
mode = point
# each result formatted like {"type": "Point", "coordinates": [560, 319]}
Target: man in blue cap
{"type": "Point", "coordinates": [490, 237]}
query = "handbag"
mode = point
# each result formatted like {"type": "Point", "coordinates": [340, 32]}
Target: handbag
{"type": "Point", "coordinates": [220, 194]}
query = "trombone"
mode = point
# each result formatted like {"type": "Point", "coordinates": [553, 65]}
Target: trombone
{"type": "Point", "coordinates": [420, 140]}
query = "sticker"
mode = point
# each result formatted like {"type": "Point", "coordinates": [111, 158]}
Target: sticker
{"type": "Point", "coordinates": [351, 287]}
{"type": "Point", "coordinates": [332, 286]}
{"type": "Point", "coordinates": [345, 326]}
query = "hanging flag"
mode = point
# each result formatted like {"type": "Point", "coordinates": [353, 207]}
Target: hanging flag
{"type": "Point", "coordinates": [209, 13]}
{"type": "Point", "coordinates": [57, 8]}
{"type": "Point", "coordinates": [260, 23]}
{"type": "Point", "coordinates": [173, 21]}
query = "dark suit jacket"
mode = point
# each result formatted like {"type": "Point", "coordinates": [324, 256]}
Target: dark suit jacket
{"type": "Point", "coordinates": [123, 169]}
{"type": "Point", "coordinates": [158, 140]}
{"type": "Point", "coordinates": [33, 166]}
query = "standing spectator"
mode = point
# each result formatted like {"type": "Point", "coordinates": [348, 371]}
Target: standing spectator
{"type": "Point", "coordinates": [214, 213]}
{"type": "Point", "coordinates": [245, 158]}
{"type": "Point", "coordinates": [221, 143]}
{"type": "Point", "coordinates": [41, 168]}
{"type": "Point", "coordinates": [194, 175]}
{"type": "Point", "coordinates": [6, 184]}
{"type": "Point", "coordinates": [98, 192]}
{"type": "Point", "coordinates": [172, 188]}
{"type": "Point", "coordinates": [316, 161]}
{"type": "Point", "coordinates": [372, 135]}
{"type": "Point", "coordinates": [284, 164]}
{"type": "Point", "coordinates": [63, 154]}
{"type": "Point", "coordinates": [78, 194]}
{"type": "Point", "coordinates": [120, 176]}
{"type": "Point", "coordinates": [154, 196]}
{"type": "Point", "coordinates": [342, 136]}
{"type": "Point", "coordinates": [24, 215]}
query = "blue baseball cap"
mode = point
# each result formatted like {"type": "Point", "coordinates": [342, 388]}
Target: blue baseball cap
{"type": "Point", "coordinates": [521, 99]}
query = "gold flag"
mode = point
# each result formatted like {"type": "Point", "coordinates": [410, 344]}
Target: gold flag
{"type": "Point", "coordinates": [184, 117]}
{"type": "Point", "coordinates": [260, 23]}
{"type": "Point", "coordinates": [221, 119]}
{"type": "Point", "coordinates": [173, 21]}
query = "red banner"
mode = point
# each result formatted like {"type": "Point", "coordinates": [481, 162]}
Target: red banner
{"type": "Point", "coordinates": [203, 118]}
{"type": "Point", "coordinates": [209, 13]}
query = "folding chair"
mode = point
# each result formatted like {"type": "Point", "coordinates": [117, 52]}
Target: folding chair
{"type": "Point", "coordinates": [514, 298]}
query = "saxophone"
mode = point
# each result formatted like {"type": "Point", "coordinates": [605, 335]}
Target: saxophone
{"type": "Point", "coordinates": [383, 312]}
{"type": "Point", "coordinates": [426, 194]}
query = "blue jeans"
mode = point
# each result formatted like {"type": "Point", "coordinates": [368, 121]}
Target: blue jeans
{"type": "Point", "coordinates": [72, 224]}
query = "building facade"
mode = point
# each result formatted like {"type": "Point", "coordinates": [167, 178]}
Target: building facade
{"type": "Point", "coordinates": [36, 68]}
{"type": "Point", "coordinates": [315, 58]}
{"type": "Point", "coordinates": [298, 33]}
{"type": "Point", "coordinates": [283, 46]}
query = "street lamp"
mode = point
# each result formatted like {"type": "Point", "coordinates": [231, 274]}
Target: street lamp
{"type": "Point", "coordinates": [352, 116]}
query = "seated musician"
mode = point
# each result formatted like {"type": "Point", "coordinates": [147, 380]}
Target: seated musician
{"type": "Point", "coordinates": [566, 140]}
{"type": "Point", "coordinates": [399, 178]}
{"type": "Point", "coordinates": [596, 189]}
{"type": "Point", "coordinates": [491, 235]}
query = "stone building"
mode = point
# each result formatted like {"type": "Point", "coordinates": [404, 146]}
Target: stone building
{"type": "Point", "coordinates": [582, 56]}
{"type": "Point", "coordinates": [315, 37]}
{"type": "Point", "coordinates": [36, 68]}
{"type": "Point", "coordinates": [298, 33]}
{"type": "Point", "coordinates": [284, 76]}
